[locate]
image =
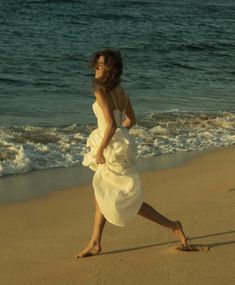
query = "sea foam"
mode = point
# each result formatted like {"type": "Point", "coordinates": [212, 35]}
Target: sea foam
{"type": "Point", "coordinates": [24, 148]}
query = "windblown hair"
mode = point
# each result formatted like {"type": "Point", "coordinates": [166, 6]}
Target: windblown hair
{"type": "Point", "coordinates": [112, 76]}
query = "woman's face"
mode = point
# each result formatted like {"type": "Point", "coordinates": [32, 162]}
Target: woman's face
{"type": "Point", "coordinates": [100, 67]}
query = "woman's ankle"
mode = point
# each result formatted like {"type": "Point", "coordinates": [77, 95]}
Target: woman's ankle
{"type": "Point", "coordinates": [94, 243]}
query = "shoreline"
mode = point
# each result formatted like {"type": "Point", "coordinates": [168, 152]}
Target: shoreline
{"type": "Point", "coordinates": [21, 187]}
{"type": "Point", "coordinates": [41, 236]}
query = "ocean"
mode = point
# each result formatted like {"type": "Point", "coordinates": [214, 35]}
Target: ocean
{"type": "Point", "coordinates": [179, 72]}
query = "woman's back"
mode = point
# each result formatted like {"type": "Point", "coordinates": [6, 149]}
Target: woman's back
{"type": "Point", "coordinates": [120, 100]}
{"type": "Point", "coordinates": [122, 103]}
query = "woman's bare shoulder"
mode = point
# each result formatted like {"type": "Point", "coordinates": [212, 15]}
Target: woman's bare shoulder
{"type": "Point", "coordinates": [99, 94]}
{"type": "Point", "coordinates": [102, 98]}
{"type": "Point", "coordinates": [121, 90]}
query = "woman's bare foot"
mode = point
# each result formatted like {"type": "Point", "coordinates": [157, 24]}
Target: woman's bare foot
{"type": "Point", "coordinates": [91, 249]}
{"type": "Point", "coordinates": [178, 231]}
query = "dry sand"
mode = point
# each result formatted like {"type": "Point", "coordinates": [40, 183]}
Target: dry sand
{"type": "Point", "coordinates": [40, 237]}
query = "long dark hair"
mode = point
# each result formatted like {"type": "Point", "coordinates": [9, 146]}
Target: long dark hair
{"type": "Point", "coordinates": [112, 76]}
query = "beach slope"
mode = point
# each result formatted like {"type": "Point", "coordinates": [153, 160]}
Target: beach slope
{"type": "Point", "coordinates": [40, 237]}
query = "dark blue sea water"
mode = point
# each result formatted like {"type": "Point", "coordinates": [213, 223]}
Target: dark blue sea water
{"type": "Point", "coordinates": [179, 71]}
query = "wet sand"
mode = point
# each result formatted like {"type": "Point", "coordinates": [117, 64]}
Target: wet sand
{"type": "Point", "coordinates": [39, 237]}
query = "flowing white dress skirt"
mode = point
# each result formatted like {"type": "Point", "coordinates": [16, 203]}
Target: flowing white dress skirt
{"type": "Point", "coordinates": [117, 185]}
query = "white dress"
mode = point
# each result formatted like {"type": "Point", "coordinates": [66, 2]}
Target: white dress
{"type": "Point", "coordinates": [117, 186]}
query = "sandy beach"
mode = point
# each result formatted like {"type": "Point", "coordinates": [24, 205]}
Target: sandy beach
{"type": "Point", "coordinates": [39, 237]}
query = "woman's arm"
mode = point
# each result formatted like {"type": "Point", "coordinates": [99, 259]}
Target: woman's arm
{"type": "Point", "coordinates": [106, 107]}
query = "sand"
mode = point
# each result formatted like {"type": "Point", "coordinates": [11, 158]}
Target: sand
{"type": "Point", "coordinates": [39, 237]}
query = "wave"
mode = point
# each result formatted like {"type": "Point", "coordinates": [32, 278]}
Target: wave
{"type": "Point", "coordinates": [204, 47]}
{"type": "Point", "coordinates": [13, 81]}
{"type": "Point", "coordinates": [54, 1]}
{"type": "Point", "coordinates": [116, 16]}
{"type": "Point", "coordinates": [196, 47]}
{"type": "Point", "coordinates": [183, 65]}
{"type": "Point", "coordinates": [24, 148]}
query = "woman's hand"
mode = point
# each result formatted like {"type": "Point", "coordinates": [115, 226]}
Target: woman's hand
{"type": "Point", "coordinates": [100, 156]}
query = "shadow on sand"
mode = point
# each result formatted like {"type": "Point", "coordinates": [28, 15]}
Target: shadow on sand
{"type": "Point", "coordinates": [190, 247]}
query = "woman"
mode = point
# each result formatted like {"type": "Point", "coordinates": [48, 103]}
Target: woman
{"type": "Point", "coordinates": [117, 186]}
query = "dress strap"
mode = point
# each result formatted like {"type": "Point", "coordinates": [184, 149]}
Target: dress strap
{"type": "Point", "coordinates": [114, 100]}
{"type": "Point", "coordinates": [125, 103]}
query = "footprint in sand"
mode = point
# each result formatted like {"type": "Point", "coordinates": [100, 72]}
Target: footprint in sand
{"type": "Point", "coordinates": [232, 189]}
{"type": "Point", "coordinates": [187, 248]}
{"type": "Point", "coordinates": [193, 247]}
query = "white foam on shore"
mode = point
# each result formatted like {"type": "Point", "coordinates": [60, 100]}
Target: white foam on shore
{"type": "Point", "coordinates": [25, 148]}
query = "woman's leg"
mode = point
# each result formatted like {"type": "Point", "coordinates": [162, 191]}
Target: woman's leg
{"type": "Point", "coordinates": [94, 246]}
{"type": "Point", "coordinates": [150, 213]}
